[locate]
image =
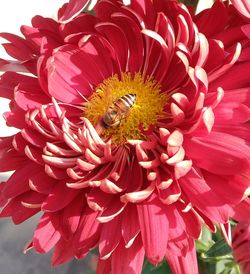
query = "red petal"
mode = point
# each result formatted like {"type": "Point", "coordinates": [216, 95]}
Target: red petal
{"type": "Point", "coordinates": [243, 7]}
{"type": "Point", "coordinates": [88, 231]}
{"type": "Point", "coordinates": [218, 153]}
{"type": "Point", "coordinates": [63, 252]}
{"type": "Point", "coordinates": [135, 41]}
{"type": "Point", "coordinates": [84, 23]}
{"type": "Point", "coordinates": [117, 39]}
{"type": "Point", "coordinates": [128, 260]}
{"type": "Point", "coordinates": [112, 211]}
{"type": "Point", "coordinates": [104, 266]}
{"type": "Point", "coordinates": [17, 211]}
{"type": "Point", "coordinates": [33, 137]}
{"type": "Point", "coordinates": [27, 99]}
{"type": "Point", "coordinates": [204, 198]}
{"type": "Point", "coordinates": [10, 159]}
{"type": "Point", "coordinates": [9, 80]}
{"type": "Point", "coordinates": [110, 240]}
{"type": "Point", "coordinates": [212, 20]}
{"type": "Point", "coordinates": [177, 234]}
{"type": "Point", "coordinates": [184, 264]}
{"type": "Point", "coordinates": [73, 8]}
{"type": "Point", "coordinates": [242, 210]}
{"type": "Point", "coordinates": [132, 228]}
{"type": "Point", "coordinates": [18, 183]}
{"type": "Point", "coordinates": [71, 216]}
{"type": "Point", "coordinates": [18, 47]}
{"type": "Point", "coordinates": [236, 187]}
{"type": "Point", "coordinates": [192, 222]}
{"type": "Point", "coordinates": [154, 228]}
{"type": "Point", "coordinates": [59, 197]}
{"type": "Point", "coordinates": [67, 74]}
{"type": "Point", "coordinates": [46, 234]}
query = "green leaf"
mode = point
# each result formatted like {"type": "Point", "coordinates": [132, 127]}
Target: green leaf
{"type": "Point", "coordinates": [190, 2]}
{"type": "Point", "coordinates": [219, 249]}
{"type": "Point", "coordinates": [161, 269]}
{"type": "Point", "coordinates": [205, 242]}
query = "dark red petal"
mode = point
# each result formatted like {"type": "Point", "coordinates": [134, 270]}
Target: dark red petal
{"type": "Point", "coordinates": [59, 197]}
{"type": "Point", "coordinates": [10, 159]}
{"type": "Point", "coordinates": [104, 266]}
{"type": "Point", "coordinates": [36, 36]}
{"type": "Point", "coordinates": [33, 137]}
{"type": "Point", "coordinates": [204, 198]}
{"type": "Point", "coordinates": [118, 40]}
{"type": "Point", "coordinates": [108, 239]}
{"type": "Point", "coordinates": [135, 41]}
{"type": "Point", "coordinates": [84, 23]}
{"type": "Point", "coordinates": [192, 222]}
{"type": "Point", "coordinates": [242, 210]}
{"type": "Point", "coordinates": [88, 231]}
{"type": "Point", "coordinates": [104, 9]}
{"type": "Point", "coordinates": [130, 226]}
{"type": "Point", "coordinates": [242, 6]}
{"type": "Point", "coordinates": [15, 209]}
{"type": "Point", "coordinates": [100, 53]}
{"type": "Point", "coordinates": [63, 252]}
{"type": "Point", "coordinates": [112, 211]}
{"type": "Point", "coordinates": [15, 117]}
{"type": "Point", "coordinates": [18, 182]}
{"type": "Point", "coordinates": [70, 217]}
{"type": "Point", "coordinates": [216, 55]}
{"type": "Point", "coordinates": [212, 20]}
{"type": "Point", "coordinates": [18, 47]}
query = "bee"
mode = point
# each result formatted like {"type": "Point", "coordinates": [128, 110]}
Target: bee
{"type": "Point", "coordinates": [118, 111]}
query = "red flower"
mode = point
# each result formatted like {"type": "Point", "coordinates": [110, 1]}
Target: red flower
{"type": "Point", "coordinates": [133, 130]}
{"type": "Point", "coordinates": [241, 245]}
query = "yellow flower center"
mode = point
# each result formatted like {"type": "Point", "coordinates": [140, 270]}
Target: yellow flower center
{"type": "Point", "coordinates": [142, 113]}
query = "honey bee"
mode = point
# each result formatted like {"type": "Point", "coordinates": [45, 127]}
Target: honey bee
{"type": "Point", "coordinates": [118, 111]}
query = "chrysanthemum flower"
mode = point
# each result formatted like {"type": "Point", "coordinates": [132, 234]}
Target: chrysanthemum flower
{"type": "Point", "coordinates": [175, 157]}
{"type": "Point", "coordinates": [241, 245]}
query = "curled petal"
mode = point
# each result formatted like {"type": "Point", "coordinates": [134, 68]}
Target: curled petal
{"type": "Point", "coordinates": [138, 196]}
{"type": "Point", "coordinates": [72, 9]}
{"type": "Point", "coordinates": [182, 168]}
{"type": "Point", "coordinates": [111, 213]}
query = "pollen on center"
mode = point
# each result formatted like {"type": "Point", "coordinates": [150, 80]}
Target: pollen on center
{"type": "Point", "coordinates": [145, 111]}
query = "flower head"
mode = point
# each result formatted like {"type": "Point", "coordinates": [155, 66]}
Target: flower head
{"type": "Point", "coordinates": [133, 130]}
